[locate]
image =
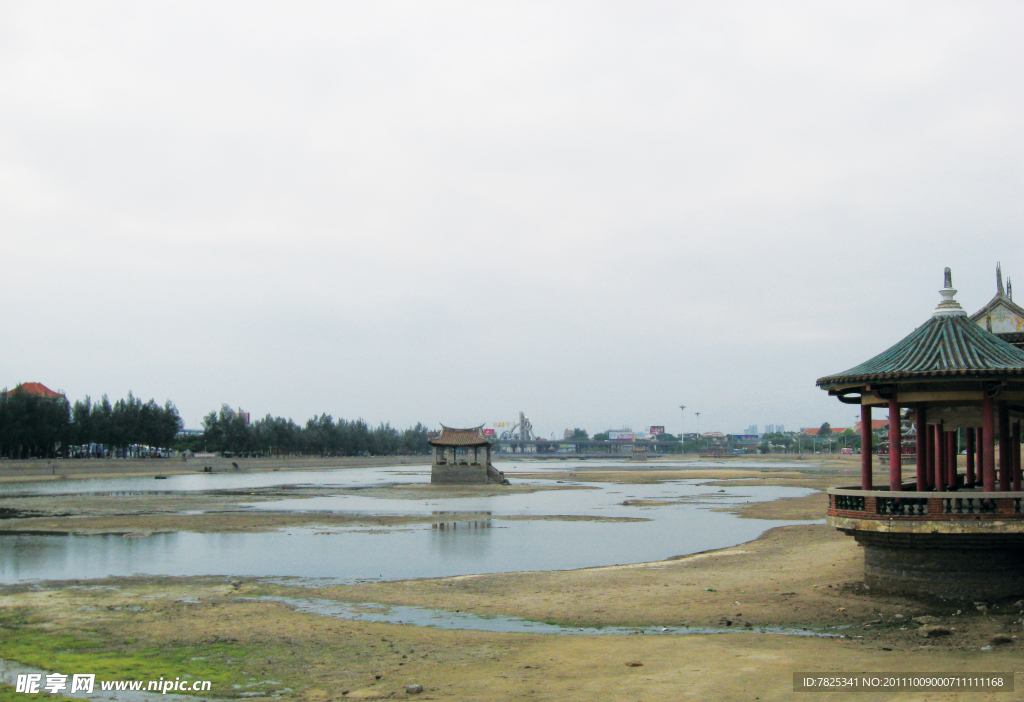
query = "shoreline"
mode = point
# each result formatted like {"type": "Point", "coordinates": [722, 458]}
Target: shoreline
{"type": "Point", "coordinates": [98, 468]}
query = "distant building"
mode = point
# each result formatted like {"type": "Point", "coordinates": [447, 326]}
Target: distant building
{"type": "Point", "coordinates": [1001, 315]}
{"type": "Point", "coordinates": [463, 456]}
{"type": "Point", "coordinates": [36, 389]}
{"type": "Point", "coordinates": [835, 430]}
{"type": "Point", "coordinates": [752, 429]}
{"type": "Point", "coordinates": [876, 424]}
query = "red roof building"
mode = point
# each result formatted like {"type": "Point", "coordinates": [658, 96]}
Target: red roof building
{"type": "Point", "coordinates": [35, 389]}
{"type": "Point", "coordinates": [876, 424]}
{"type": "Point", "coordinates": [814, 432]}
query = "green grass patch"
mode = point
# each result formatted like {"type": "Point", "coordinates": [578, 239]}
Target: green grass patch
{"type": "Point", "coordinates": [68, 654]}
{"type": "Point", "coordinates": [7, 694]}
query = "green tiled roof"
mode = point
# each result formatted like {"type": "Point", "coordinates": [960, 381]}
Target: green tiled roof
{"type": "Point", "coordinates": [942, 346]}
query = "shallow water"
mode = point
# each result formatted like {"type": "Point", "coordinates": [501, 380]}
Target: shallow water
{"type": "Point", "coordinates": [341, 477]}
{"type": "Point", "coordinates": [454, 545]}
{"type": "Point", "coordinates": [200, 482]}
{"type": "Point", "coordinates": [420, 616]}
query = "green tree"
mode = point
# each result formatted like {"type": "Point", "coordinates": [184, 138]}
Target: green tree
{"type": "Point", "coordinates": [825, 430]}
{"type": "Point", "coordinates": [226, 431]}
{"type": "Point", "coordinates": [33, 426]}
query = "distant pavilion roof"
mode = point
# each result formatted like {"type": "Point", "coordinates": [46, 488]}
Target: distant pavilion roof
{"type": "Point", "coordinates": [1008, 314]}
{"type": "Point", "coordinates": [35, 389]}
{"type": "Point", "coordinates": [472, 436]}
{"type": "Point", "coordinates": [948, 344]}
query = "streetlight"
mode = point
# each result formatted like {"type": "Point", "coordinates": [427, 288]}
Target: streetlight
{"type": "Point", "coordinates": [682, 429]}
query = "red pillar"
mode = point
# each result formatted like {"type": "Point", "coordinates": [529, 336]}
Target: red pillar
{"type": "Point", "coordinates": [970, 455]}
{"type": "Point", "coordinates": [979, 445]}
{"type": "Point", "coordinates": [895, 445]}
{"type": "Point", "coordinates": [865, 447]}
{"type": "Point", "coordinates": [988, 427]}
{"type": "Point", "coordinates": [922, 448]}
{"type": "Point", "coordinates": [1015, 452]}
{"type": "Point", "coordinates": [932, 450]}
{"type": "Point", "coordinates": [940, 457]}
{"type": "Point", "coordinates": [1005, 462]}
{"type": "Point", "coordinates": [951, 455]}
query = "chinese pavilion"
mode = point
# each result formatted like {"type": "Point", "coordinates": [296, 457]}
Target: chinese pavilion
{"type": "Point", "coordinates": [939, 531]}
{"type": "Point", "coordinates": [463, 456]}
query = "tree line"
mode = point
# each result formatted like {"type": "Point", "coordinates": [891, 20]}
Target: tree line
{"type": "Point", "coordinates": [32, 426]}
{"type": "Point", "coordinates": [228, 432]}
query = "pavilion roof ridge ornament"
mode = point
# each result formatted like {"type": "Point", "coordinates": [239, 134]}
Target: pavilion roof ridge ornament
{"type": "Point", "coordinates": [949, 307]}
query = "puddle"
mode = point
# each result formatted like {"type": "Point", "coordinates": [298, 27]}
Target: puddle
{"type": "Point", "coordinates": [420, 616]}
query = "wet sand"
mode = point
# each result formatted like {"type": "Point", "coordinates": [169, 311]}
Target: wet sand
{"type": "Point", "coordinates": [226, 511]}
{"type": "Point", "coordinates": [804, 576]}
{"type": "Point", "coordinates": [83, 469]}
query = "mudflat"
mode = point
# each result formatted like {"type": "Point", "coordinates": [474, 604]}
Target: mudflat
{"type": "Point", "coordinates": [85, 468]}
{"type": "Point", "coordinates": [804, 578]}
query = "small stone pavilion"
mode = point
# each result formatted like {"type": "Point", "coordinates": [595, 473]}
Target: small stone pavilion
{"type": "Point", "coordinates": [463, 456]}
{"type": "Point", "coordinates": [939, 531]}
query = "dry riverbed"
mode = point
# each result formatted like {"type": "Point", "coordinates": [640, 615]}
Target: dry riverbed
{"type": "Point", "coordinates": [803, 577]}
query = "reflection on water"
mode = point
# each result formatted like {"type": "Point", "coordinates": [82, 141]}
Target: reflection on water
{"type": "Point", "coordinates": [474, 539]}
{"type": "Point", "coordinates": [445, 520]}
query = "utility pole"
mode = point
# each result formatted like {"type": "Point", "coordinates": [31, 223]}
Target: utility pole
{"type": "Point", "coordinates": [682, 429]}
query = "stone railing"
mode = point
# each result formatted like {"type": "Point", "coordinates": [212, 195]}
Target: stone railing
{"type": "Point", "coordinates": [854, 503]}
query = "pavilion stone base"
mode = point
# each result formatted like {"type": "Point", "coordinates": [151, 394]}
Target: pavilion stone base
{"type": "Point", "coordinates": [944, 566]}
{"type": "Point", "coordinates": [461, 474]}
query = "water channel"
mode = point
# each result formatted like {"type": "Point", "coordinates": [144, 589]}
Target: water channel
{"type": "Point", "coordinates": [521, 532]}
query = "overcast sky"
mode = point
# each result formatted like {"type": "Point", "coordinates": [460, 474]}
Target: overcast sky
{"type": "Point", "coordinates": [451, 212]}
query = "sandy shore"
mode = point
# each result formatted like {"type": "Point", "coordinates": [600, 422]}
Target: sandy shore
{"type": "Point", "coordinates": [803, 577]}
